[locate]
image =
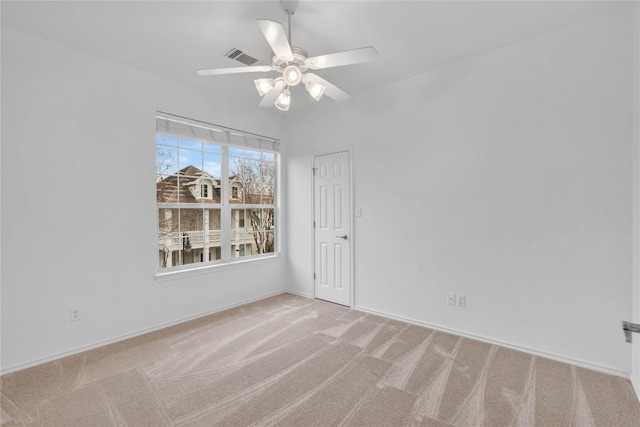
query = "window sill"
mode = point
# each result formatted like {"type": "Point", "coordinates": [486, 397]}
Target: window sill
{"type": "Point", "coordinates": [197, 271]}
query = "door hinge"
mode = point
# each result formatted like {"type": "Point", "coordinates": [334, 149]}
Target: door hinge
{"type": "Point", "coordinates": [629, 327]}
{"type": "Point", "coordinates": [314, 276]}
{"type": "Point", "coordinates": [314, 224]}
{"type": "Point", "coordinates": [313, 171]}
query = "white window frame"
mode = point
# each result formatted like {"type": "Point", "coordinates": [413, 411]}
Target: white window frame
{"type": "Point", "coordinates": [188, 129]}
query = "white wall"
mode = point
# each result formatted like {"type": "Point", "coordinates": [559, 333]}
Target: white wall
{"type": "Point", "coordinates": [505, 178]}
{"type": "Point", "coordinates": [78, 204]}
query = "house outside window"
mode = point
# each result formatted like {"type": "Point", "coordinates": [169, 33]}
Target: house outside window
{"type": "Point", "coordinates": [241, 219]}
{"type": "Point", "coordinates": [216, 194]}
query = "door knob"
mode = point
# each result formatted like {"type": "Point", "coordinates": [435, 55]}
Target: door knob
{"type": "Point", "coordinates": [343, 237]}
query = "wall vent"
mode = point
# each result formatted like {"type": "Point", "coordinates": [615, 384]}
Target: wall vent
{"type": "Point", "coordinates": [240, 56]}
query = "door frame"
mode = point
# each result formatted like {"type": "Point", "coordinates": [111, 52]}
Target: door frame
{"type": "Point", "coordinates": [315, 154]}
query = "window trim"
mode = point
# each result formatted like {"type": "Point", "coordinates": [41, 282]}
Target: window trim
{"type": "Point", "coordinates": [179, 272]}
{"type": "Point", "coordinates": [254, 142]}
{"type": "Point", "coordinates": [204, 191]}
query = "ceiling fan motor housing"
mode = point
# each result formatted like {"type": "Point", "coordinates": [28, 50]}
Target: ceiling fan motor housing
{"type": "Point", "coordinates": [299, 57]}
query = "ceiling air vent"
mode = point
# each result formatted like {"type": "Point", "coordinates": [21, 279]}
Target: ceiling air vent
{"type": "Point", "coordinates": [240, 56]}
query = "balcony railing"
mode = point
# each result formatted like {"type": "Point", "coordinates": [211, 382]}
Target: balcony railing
{"type": "Point", "coordinates": [199, 238]}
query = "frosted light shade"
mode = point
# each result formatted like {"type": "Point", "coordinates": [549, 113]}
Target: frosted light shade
{"type": "Point", "coordinates": [264, 86]}
{"type": "Point", "coordinates": [283, 101]}
{"type": "Point", "coordinates": [315, 90]}
{"type": "Point", "coordinates": [292, 75]}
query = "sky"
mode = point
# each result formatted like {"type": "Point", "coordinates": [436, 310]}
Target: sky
{"type": "Point", "coordinates": [204, 156]}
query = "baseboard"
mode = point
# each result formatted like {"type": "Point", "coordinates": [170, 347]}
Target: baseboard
{"type": "Point", "coordinates": [300, 294]}
{"type": "Point", "coordinates": [635, 381]}
{"type": "Point", "coordinates": [556, 357]}
{"type": "Point", "coordinates": [134, 334]}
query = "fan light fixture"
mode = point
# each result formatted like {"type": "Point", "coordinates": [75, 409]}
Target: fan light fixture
{"type": "Point", "coordinates": [264, 85]}
{"type": "Point", "coordinates": [284, 100]}
{"type": "Point", "coordinates": [292, 75]}
{"type": "Point", "coordinates": [293, 65]}
{"type": "Point", "coordinates": [315, 90]}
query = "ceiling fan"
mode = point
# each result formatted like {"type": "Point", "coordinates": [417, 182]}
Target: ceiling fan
{"type": "Point", "coordinates": [293, 64]}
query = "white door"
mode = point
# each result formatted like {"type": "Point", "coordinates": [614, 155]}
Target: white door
{"type": "Point", "coordinates": [332, 227]}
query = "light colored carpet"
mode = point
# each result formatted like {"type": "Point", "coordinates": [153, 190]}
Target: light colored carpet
{"type": "Point", "coordinates": [291, 361]}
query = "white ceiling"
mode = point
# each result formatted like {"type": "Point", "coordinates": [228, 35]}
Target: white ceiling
{"type": "Point", "coordinates": [173, 39]}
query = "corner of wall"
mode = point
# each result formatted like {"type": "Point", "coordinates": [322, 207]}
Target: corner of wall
{"type": "Point", "coordinates": [635, 358]}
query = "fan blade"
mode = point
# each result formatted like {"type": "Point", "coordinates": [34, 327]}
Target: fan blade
{"type": "Point", "coordinates": [234, 70]}
{"type": "Point", "coordinates": [272, 95]}
{"type": "Point", "coordinates": [348, 57]}
{"type": "Point", "coordinates": [277, 39]}
{"type": "Point", "coordinates": [330, 90]}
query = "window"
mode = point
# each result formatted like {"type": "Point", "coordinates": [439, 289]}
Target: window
{"type": "Point", "coordinates": [241, 219]}
{"type": "Point", "coordinates": [216, 194]}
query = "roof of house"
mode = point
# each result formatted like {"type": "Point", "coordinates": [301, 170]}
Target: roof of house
{"type": "Point", "coordinates": [168, 190]}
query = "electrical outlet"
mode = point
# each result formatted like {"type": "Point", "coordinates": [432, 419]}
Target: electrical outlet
{"type": "Point", "coordinates": [451, 298]}
{"type": "Point", "coordinates": [74, 314]}
{"type": "Point", "coordinates": [462, 300]}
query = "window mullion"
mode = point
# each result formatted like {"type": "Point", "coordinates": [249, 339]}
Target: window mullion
{"type": "Point", "coordinates": [225, 219]}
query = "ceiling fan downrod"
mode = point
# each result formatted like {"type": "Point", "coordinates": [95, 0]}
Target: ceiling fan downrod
{"type": "Point", "coordinates": [289, 7]}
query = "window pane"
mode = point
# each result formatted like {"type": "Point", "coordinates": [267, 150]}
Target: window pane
{"type": "Point", "coordinates": [268, 184]}
{"type": "Point", "coordinates": [241, 235]}
{"type": "Point", "coordinates": [166, 140]}
{"type": "Point", "coordinates": [191, 236]}
{"type": "Point", "coordinates": [212, 165]}
{"type": "Point", "coordinates": [269, 157]}
{"type": "Point", "coordinates": [246, 153]}
{"type": "Point", "coordinates": [212, 148]}
{"type": "Point", "coordinates": [168, 240]}
{"type": "Point", "coordinates": [211, 245]}
{"type": "Point", "coordinates": [190, 162]}
{"type": "Point", "coordinates": [215, 192]}
{"type": "Point", "coordinates": [252, 231]}
{"type": "Point", "coordinates": [189, 189]}
{"type": "Point", "coordinates": [235, 193]}
{"type": "Point", "coordinates": [194, 145]}
{"type": "Point", "coordinates": [252, 154]}
{"type": "Point", "coordinates": [238, 219]}
{"type": "Point", "coordinates": [167, 189]}
{"type": "Point", "coordinates": [237, 152]}
{"type": "Point", "coordinates": [255, 179]}
{"type": "Point", "coordinates": [166, 160]}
